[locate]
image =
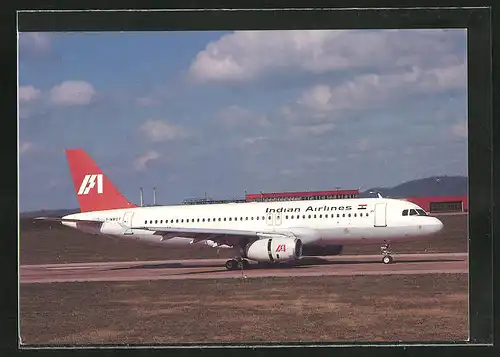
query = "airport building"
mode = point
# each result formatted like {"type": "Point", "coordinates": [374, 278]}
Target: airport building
{"type": "Point", "coordinates": [442, 204]}
{"type": "Point", "coordinates": [437, 204]}
{"type": "Point", "coordinates": [299, 196]}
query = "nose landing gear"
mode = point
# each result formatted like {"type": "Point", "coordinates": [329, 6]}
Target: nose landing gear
{"type": "Point", "coordinates": [386, 252]}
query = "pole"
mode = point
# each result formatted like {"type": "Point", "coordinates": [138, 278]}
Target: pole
{"type": "Point", "coordinates": [142, 201]}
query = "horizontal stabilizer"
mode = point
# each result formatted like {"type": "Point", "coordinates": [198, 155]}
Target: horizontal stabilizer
{"type": "Point", "coordinates": [57, 219]}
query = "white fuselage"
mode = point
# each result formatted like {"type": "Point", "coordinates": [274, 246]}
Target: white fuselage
{"type": "Point", "coordinates": [315, 222]}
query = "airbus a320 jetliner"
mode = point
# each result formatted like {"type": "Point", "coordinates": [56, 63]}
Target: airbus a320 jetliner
{"type": "Point", "coordinates": [266, 232]}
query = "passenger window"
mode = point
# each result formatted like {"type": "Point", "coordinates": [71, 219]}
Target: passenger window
{"type": "Point", "coordinates": [224, 219]}
{"type": "Point", "coordinates": [320, 216]}
{"type": "Point", "coordinates": [219, 219]}
{"type": "Point", "coordinates": [338, 215]}
{"type": "Point", "coordinates": [349, 215]}
{"type": "Point", "coordinates": [286, 217]}
{"type": "Point", "coordinates": [405, 212]}
{"type": "Point", "coordinates": [314, 216]}
{"type": "Point", "coordinates": [145, 222]}
{"type": "Point", "coordinates": [309, 217]}
{"type": "Point", "coordinates": [230, 218]}
{"type": "Point", "coordinates": [343, 215]}
{"type": "Point", "coordinates": [177, 221]}
{"type": "Point", "coordinates": [355, 215]}
{"type": "Point", "coordinates": [246, 218]}
{"type": "Point", "coordinates": [257, 218]}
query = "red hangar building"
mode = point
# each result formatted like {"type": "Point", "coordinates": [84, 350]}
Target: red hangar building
{"type": "Point", "coordinates": [436, 204]}
{"type": "Point", "coordinates": [300, 196]}
{"type": "Point", "coordinates": [441, 204]}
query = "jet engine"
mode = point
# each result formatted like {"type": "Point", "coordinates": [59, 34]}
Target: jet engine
{"type": "Point", "coordinates": [317, 250]}
{"type": "Point", "coordinates": [274, 250]}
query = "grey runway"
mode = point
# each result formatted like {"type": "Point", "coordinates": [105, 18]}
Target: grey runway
{"type": "Point", "coordinates": [214, 268]}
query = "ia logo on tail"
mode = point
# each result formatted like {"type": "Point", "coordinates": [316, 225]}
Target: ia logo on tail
{"type": "Point", "coordinates": [88, 184]}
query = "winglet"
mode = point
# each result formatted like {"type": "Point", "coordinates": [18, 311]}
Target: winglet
{"type": "Point", "coordinates": [95, 192]}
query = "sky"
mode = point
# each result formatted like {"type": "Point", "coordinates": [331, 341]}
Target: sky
{"type": "Point", "coordinates": [227, 112]}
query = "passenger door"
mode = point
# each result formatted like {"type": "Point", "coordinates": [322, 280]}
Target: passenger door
{"type": "Point", "coordinates": [127, 221]}
{"type": "Point", "coordinates": [380, 216]}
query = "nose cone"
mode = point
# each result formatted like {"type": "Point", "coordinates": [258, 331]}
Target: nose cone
{"type": "Point", "coordinates": [436, 225]}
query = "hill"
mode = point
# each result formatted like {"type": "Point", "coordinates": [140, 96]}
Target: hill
{"type": "Point", "coordinates": [431, 186]}
{"type": "Point", "coordinates": [49, 213]}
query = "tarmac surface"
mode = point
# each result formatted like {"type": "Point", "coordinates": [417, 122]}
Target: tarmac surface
{"type": "Point", "coordinates": [214, 268]}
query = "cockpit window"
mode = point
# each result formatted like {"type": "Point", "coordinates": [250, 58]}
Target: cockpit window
{"type": "Point", "coordinates": [421, 212]}
{"type": "Point", "coordinates": [405, 212]}
{"type": "Point", "coordinates": [413, 212]}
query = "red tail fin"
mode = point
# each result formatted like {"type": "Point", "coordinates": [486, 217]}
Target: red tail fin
{"type": "Point", "coordinates": [95, 192]}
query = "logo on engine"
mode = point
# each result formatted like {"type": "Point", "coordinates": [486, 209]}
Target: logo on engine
{"type": "Point", "coordinates": [89, 182]}
{"type": "Point", "coordinates": [281, 248]}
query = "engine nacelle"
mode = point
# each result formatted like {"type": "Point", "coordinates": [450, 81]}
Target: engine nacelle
{"type": "Point", "coordinates": [317, 250]}
{"type": "Point", "coordinates": [274, 250]}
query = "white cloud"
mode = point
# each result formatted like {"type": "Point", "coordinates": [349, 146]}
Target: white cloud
{"type": "Point", "coordinates": [254, 145]}
{"type": "Point", "coordinates": [247, 55]}
{"type": "Point", "coordinates": [25, 147]}
{"type": "Point", "coordinates": [234, 115]}
{"type": "Point", "coordinates": [28, 93]}
{"type": "Point", "coordinates": [141, 161]}
{"type": "Point", "coordinates": [254, 140]}
{"type": "Point", "coordinates": [146, 102]}
{"type": "Point", "coordinates": [362, 144]}
{"type": "Point", "coordinates": [317, 160]}
{"type": "Point", "coordinates": [308, 130]}
{"type": "Point", "coordinates": [72, 93]}
{"type": "Point", "coordinates": [35, 42]}
{"type": "Point", "coordinates": [317, 98]}
{"type": "Point", "coordinates": [376, 90]}
{"type": "Point", "coordinates": [460, 129]}
{"type": "Point", "coordinates": [159, 131]}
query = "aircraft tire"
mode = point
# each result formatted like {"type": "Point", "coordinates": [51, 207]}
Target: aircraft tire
{"type": "Point", "coordinates": [387, 259]}
{"type": "Point", "coordinates": [231, 264]}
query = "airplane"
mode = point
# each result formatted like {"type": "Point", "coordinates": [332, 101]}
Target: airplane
{"type": "Point", "coordinates": [264, 232]}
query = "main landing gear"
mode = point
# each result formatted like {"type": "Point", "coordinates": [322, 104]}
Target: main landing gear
{"type": "Point", "coordinates": [237, 263]}
{"type": "Point", "coordinates": [386, 252]}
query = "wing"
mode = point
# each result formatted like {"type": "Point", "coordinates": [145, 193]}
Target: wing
{"type": "Point", "coordinates": [230, 237]}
